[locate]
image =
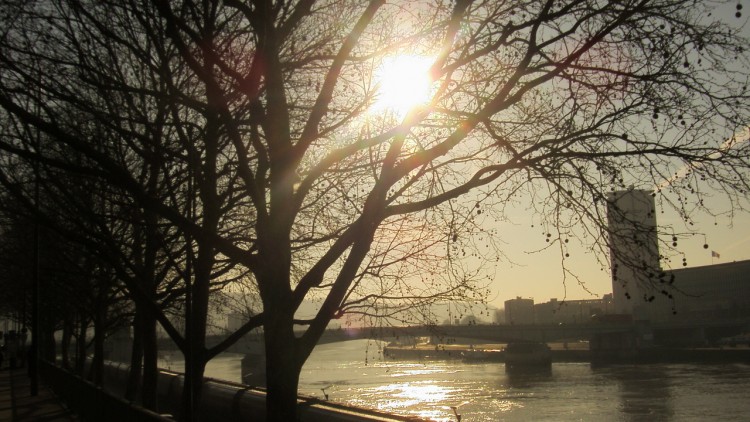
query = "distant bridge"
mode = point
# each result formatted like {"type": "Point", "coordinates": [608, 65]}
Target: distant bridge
{"type": "Point", "coordinates": [662, 333]}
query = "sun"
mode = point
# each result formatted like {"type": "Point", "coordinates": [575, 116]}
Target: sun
{"type": "Point", "coordinates": [403, 82]}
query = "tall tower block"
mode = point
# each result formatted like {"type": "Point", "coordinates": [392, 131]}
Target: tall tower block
{"type": "Point", "coordinates": [634, 249]}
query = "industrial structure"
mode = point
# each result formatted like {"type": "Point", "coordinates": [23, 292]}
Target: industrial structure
{"type": "Point", "coordinates": [643, 289]}
{"type": "Point", "coordinates": [709, 292]}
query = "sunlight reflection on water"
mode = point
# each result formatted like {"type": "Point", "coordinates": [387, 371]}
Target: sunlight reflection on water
{"type": "Point", "coordinates": [353, 372]}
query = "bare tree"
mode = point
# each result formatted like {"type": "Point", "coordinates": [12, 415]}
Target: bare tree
{"type": "Point", "coordinates": [270, 114]}
{"type": "Point", "coordinates": [76, 288]}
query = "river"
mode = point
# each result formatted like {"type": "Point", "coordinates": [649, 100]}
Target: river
{"type": "Point", "coordinates": [353, 372]}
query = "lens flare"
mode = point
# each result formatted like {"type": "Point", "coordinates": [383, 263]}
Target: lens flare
{"type": "Point", "coordinates": [403, 82]}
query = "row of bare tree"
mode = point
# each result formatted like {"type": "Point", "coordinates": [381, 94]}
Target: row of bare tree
{"type": "Point", "coordinates": [172, 149]}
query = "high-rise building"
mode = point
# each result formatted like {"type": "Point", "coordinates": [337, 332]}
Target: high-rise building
{"type": "Point", "coordinates": [519, 311]}
{"type": "Point", "coordinates": [634, 250]}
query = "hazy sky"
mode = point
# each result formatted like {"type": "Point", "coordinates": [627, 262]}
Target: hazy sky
{"type": "Point", "coordinates": [539, 275]}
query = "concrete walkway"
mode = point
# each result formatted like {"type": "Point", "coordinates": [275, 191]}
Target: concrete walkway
{"type": "Point", "coordinates": [18, 405]}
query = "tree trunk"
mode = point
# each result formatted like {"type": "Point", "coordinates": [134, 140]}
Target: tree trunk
{"type": "Point", "coordinates": [150, 283]}
{"type": "Point", "coordinates": [96, 373]}
{"type": "Point", "coordinates": [47, 343]}
{"type": "Point", "coordinates": [100, 334]}
{"type": "Point", "coordinates": [144, 371]}
{"type": "Point", "coordinates": [81, 347]}
{"type": "Point", "coordinates": [67, 335]}
{"type": "Point", "coordinates": [136, 358]}
{"type": "Point", "coordinates": [150, 362]}
{"type": "Point", "coordinates": [191, 393]}
{"type": "Point", "coordinates": [282, 371]}
{"type": "Point", "coordinates": [196, 317]}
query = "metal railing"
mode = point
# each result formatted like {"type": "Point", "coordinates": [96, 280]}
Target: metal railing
{"type": "Point", "coordinates": [92, 403]}
{"type": "Point", "coordinates": [222, 401]}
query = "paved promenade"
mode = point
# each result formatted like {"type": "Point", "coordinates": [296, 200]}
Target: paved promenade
{"type": "Point", "coordinates": [18, 405]}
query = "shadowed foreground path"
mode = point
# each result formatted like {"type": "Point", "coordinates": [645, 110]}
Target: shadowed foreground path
{"type": "Point", "coordinates": [18, 405]}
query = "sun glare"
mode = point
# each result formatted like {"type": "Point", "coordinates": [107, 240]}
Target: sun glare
{"type": "Point", "coordinates": [403, 82]}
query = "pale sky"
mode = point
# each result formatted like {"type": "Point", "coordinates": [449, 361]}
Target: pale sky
{"type": "Point", "coordinates": [539, 275]}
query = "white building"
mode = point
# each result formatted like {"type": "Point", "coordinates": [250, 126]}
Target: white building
{"type": "Point", "coordinates": [634, 251]}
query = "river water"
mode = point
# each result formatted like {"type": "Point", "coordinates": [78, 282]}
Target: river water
{"type": "Point", "coordinates": [354, 372]}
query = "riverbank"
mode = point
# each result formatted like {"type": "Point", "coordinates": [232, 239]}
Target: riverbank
{"type": "Point", "coordinates": [570, 352]}
{"type": "Point", "coordinates": [221, 401]}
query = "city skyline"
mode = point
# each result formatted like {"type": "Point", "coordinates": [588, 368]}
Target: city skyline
{"type": "Point", "coordinates": [544, 282]}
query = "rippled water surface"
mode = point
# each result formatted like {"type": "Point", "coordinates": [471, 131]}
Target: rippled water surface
{"type": "Point", "coordinates": [353, 372]}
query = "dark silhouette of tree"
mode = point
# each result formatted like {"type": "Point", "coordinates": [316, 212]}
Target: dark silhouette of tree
{"type": "Point", "coordinates": [76, 289]}
{"type": "Point", "coordinates": [260, 119]}
{"type": "Point", "coordinates": [122, 247]}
